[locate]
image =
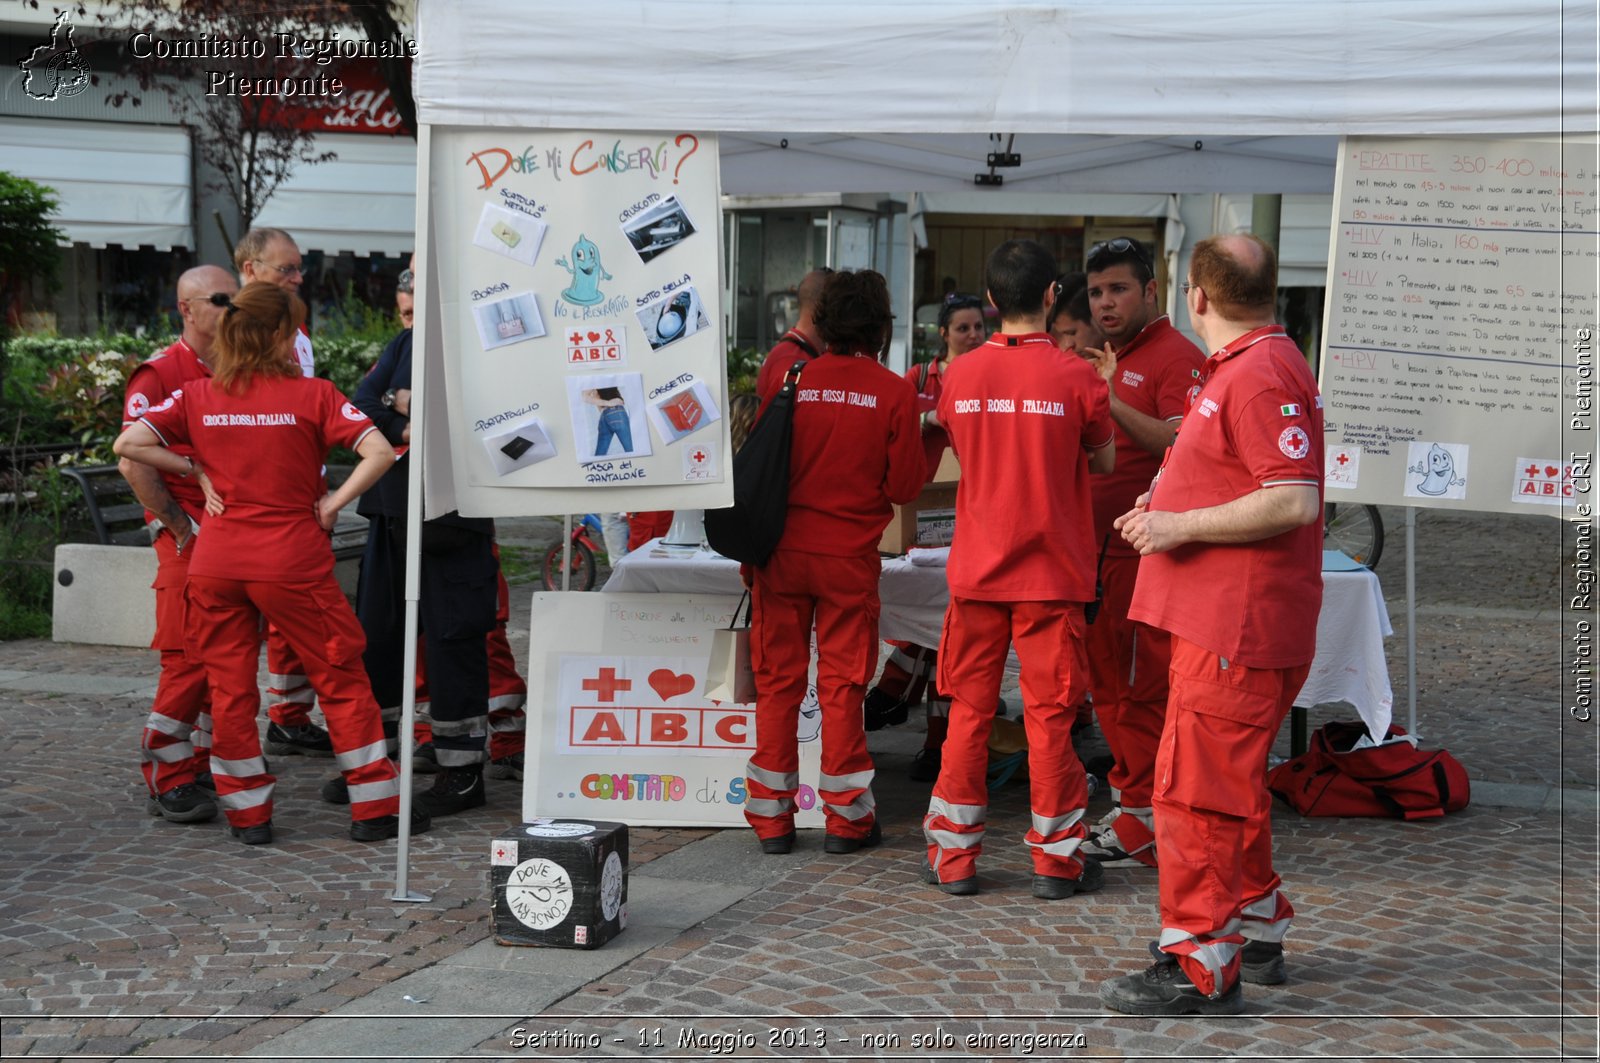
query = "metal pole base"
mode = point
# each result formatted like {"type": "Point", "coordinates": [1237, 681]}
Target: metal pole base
{"type": "Point", "coordinates": [410, 897]}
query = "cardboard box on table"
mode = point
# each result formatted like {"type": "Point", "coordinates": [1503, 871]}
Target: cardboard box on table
{"type": "Point", "coordinates": [929, 519]}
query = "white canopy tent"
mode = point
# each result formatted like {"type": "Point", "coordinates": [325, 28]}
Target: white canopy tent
{"type": "Point", "coordinates": [1156, 98]}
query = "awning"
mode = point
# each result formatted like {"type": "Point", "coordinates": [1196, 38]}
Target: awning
{"type": "Point", "coordinates": [118, 183]}
{"type": "Point", "coordinates": [364, 202]}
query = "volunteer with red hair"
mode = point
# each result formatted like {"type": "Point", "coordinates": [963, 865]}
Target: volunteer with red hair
{"type": "Point", "coordinates": [261, 431]}
{"type": "Point", "coordinates": [855, 450]}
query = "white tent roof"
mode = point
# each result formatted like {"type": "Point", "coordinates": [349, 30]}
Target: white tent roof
{"type": "Point", "coordinates": [875, 95]}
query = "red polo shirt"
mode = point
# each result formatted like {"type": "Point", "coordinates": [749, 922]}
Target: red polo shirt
{"type": "Point", "coordinates": [263, 451]}
{"type": "Point", "coordinates": [1155, 374]}
{"type": "Point", "coordinates": [1020, 413]}
{"type": "Point", "coordinates": [152, 384]}
{"type": "Point", "coordinates": [856, 448]}
{"type": "Point", "coordinates": [792, 348]}
{"type": "Point", "coordinates": [1256, 422]}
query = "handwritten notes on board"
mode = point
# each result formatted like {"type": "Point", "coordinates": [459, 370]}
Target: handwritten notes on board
{"type": "Point", "coordinates": [1455, 291]}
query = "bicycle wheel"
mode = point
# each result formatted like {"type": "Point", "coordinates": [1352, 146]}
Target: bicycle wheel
{"type": "Point", "coordinates": [581, 568]}
{"type": "Point", "coordinates": [1354, 530]}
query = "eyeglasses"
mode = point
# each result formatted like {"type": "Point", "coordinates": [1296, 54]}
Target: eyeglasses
{"type": "Point", "coordinates": [287, 271]}
{"type": "Point", "coordinates": [215, 299]}
{"type": "Point", "coordinates": [1120, 246]}
{"type": "Point", "coordinates": [1188, 285]}
{"type": "Point", "coordinates": [406, 282]}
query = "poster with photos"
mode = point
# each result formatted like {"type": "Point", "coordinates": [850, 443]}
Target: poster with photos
{"type": "Point", "coordinates": [578, 277]}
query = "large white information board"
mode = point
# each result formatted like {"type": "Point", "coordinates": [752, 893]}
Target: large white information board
{"type": "Point", "coordinates": [1460, 273]}
{"type": "Point", "coordinates": [576, 278]}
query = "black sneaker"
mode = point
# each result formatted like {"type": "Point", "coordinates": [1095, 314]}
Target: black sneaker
{"type": "Point", "coordinates": [454, 790]}
{"type": "Point", "coordinates": [925, 765]}
{"type": "Point", "coordinates": [838, 844]}
{"type": "Point", "coordinates": [882, 710]}
{"type": "Point", "coordinates": [1261, 963]}
{"type": "Point", "coordinates": [779, 846]}
{"type": "Point", "coordinates": [426, 760]}
{"type": "Point", "coordinates": [964, 887]}
{"type": "Point", "coordinates": [260, 834]}
{"type": "Point", "coordinates": [378, 828]}
{"type": "Point", "coordinates": [506, 767]}
{"type": "Point", "coordinates": [1163, 989]}
{"type": "Point", "coordinates": [336, 791]}
{"type": "Point", "coordinates": [1055, 888]}
{"type": "Point", "coordinates": [306, 740]}
{"type": "Point", "coordinates": [183, 804]}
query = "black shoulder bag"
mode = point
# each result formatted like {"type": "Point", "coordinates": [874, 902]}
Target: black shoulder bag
{"type": "Point", "coordinates": [749, 531]}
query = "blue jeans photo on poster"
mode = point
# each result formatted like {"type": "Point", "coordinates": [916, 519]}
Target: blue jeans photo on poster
{"type": "Point", "coordinates": [613, 423]}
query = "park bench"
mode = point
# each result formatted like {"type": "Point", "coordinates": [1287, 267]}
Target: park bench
{"type": "Point", "coordinates": [118, 518]}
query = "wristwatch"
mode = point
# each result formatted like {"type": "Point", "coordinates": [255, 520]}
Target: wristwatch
{"type": "Point", "coordinates": [388, 398]}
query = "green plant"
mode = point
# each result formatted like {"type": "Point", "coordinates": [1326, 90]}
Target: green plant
{"type": "Point", "coordinates": [32, 410]}
{"type": "Point", "coordinates": [31, 523]}
{"type": "Point", "coordinates": [348, 337]}
{"type": "Point", "coordinates": [86, 396]}
{"type": "Point", "coordinates": [743, 365]}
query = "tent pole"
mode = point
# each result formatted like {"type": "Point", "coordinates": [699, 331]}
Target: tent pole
{"type": "Point", "coordinates": [1411, 622]}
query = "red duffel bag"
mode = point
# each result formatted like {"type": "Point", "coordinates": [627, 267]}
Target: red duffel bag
{"type": "Point", "coordinates": [1391, 779]}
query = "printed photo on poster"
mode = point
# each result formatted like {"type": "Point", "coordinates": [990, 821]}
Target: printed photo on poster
{"type": "Point", "coordinates": [508, 321]}
{"type": "Point", "coordinates": [683, 411]}
{"type": "Point", "coordinates": [659, 228]}
{"type": "Point", "coordinates": [608, 416]}
{"type": "Point", "coordinates": [1542, 482]}
{"type": "Point", "coordinates": [1343, 467]}
{"type": "Point", "coordinates": [672, 317]}
{"type": "Point", "coordinates": [1436, 470]}
{"type": "Point", "coordinates": [511, 233]}
{"type": "Point", "coordinates": [523, 444]}
{"type": "Point", "coordinates": [597, 346]}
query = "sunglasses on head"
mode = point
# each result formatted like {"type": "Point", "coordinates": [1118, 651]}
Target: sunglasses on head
{"type": "Point", "coordinates": [406, 281]}
{"type": "Point", "coordinates": [1120, 246]}
{"type": "Point", "coordinates": [215, 299]}
{"type": "Point", "coordinates": [960, 301]}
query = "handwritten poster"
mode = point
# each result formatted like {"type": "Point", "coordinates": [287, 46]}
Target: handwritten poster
{"type": "Point", "coordinates": [1460, 275]}
{"type": "Point", "coordinates": [622, 731]}
{"type": "Point", "coordinates": [576, 276]}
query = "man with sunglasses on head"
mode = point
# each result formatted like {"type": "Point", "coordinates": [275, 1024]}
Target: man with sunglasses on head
{"type": "Point", "coordinates": [271, 255]}
{"type": "Point", "coordinates": [1150, 368]}
{"type": "Point", "coordinates": [175, 743]}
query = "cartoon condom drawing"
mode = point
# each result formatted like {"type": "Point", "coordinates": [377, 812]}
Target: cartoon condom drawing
{"type": "Point", "coordinates": [587, 273]}
{"type": "Point", "coordinates": [1439, 472]}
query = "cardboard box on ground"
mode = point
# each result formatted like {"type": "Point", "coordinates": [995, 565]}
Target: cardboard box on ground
{"type": "Point", "coordinates": [929, 520]}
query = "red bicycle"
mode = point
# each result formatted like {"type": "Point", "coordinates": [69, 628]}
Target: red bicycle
{"type": "Point", "coordinates": [582, 568]}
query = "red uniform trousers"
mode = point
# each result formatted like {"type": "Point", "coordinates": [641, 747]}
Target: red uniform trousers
{"type": "Point", "coordinates": [1128, 665]}
{"type": "Point", "coordinates": [840, 595]}
{"type": "Point", "coordinates": [176, 739]}
{"type": "Point", "coordinates": [1213, 811]}
{"type": "Point", "coordinates": [972, 658]}
{"type": "Point", "coordinates": [224, 631]}
{"type": "Point", "coordinates": [289, 693]}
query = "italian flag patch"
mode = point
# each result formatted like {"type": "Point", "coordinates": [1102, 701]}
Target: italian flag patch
{"type": "Point", "coordinates": [1291, 410]}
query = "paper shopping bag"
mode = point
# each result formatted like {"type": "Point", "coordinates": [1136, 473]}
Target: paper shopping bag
{"type": "Point", "coordinates": [729, 676]}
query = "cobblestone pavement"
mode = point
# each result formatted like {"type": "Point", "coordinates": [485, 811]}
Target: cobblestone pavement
{"type": "Point", "coordinates": [1470, 937]}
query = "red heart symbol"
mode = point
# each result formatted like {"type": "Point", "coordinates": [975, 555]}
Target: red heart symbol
{"type": "Point", "coordinates": [1550, 470]}
{"type": "Point", "coordinates": [670, 684]}
{"type": "Point", "coordinates": [593, 336]}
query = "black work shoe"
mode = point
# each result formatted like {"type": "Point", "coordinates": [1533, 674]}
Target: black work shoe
{"type": "Point", "coordinates": [963, 887]}
{"type": "Point", "coordinates": [1054, 888]}
{"type": "Point", "coordinates": [782, 844]}
{"type": "Point", "coordinates": [260, 834]}
{"type": "Point", "coordinates": [306, 740]}
{"type": "Point", "coordinates": [425, 761]}
{"type": "Point", "coordinates": [336, 791]}
{"type": "Point", "coordinates": [925, 765]}
{"type": "Point", "coordinates": [183, 804]}
{"type": "Point", "coordinates": [838, 844]}
{"type": "Point", "coordinates": [207, 782]}
{"type": "Point", "coordinates": [1163, 989]}
{"type": "Point", "coordinates": [882, 710]}
{"type": "Point", "coordinates": [454, 790]}
{"type": "Point", "coordinates": [379, 828]}
{"type": "Point", "coordinates": [506, 767]}
{"type": "Point", "coordinates": [1261, 963]}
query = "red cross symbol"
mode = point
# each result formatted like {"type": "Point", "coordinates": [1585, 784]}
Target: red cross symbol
{"type": "Point", "coordinates": [576, 337]}
{"type": "Point", "coordinates": [1532, 470]}
{"type": "Point", "coordinates": [698, 456]}
{"type": "Point", "coordinates": [1343, 459]}
{"type": "Point", "coordinates": [499, 852]}
{"type": "Point", "coordinates": [606, 684]}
